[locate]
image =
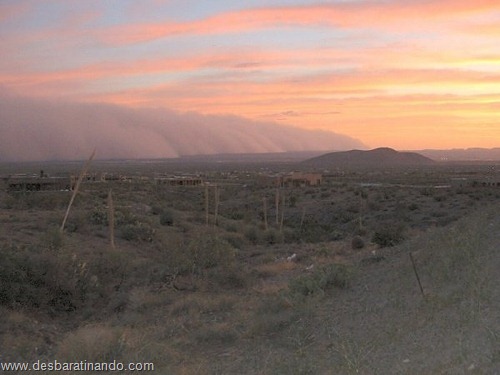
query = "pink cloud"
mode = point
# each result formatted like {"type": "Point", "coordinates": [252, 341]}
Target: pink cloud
{"type": "Point", "coordinates": [13, 10]}
{"type": "Point", "coordinates": [387, 15]}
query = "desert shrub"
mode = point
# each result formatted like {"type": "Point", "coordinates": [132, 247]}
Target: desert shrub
{"type": "Point", "coordinates": [36, 278]}
{"type": "Point", "coordinates": [357, 242]}
{"type": "Point", "coordinates": [98, 217]}
{"type": "Point", "coordinates": [290, 235]}
{"type": "Point", "coordinates": [167, 218]}
{"type": "Point", "coordinates": [137, 232]}
{"type": "Point", "coordinates": [77, 221]}
{"type": "Point", "coordinates": [440, 198]}
{"type": "Point", "coordinates": [124, 217]}
{"type": "Point", "coordinates": [273, 236]}
{"type": "Point", "coordinates": [58, 281]}
{"type": "Point", "coordinates": [236, 240]}
{"type": "Point", "coordinates": [53, 239]}
{"type": "Point", "coordinates": [156, 210]}
{"type": "Point", "coordinates": [231, 227]}
{"type": "Point", "coordinates": [235, 214]}
{"type": "Point", "coordinates": [208, 251]}
{"type": "Point", "coordinates": [314, 231]}
{"type": "Point", "coordinates": [333, 275]}
{"type": "Point", "coordinates": [232, 278]}
{"type": "Point", "coordinates": [389, 235]}
{"type": "Point", "coordinates": [252, 234]}
{"type": "Point", "coordinates": [203, 251]}
{"type": "Point", "coordinates": [413, 206]}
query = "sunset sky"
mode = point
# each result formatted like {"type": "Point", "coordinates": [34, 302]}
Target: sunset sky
{"type": "Point", "coordinates": [408, 74]}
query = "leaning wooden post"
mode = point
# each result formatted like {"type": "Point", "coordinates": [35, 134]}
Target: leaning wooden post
{"type": "Point", "coordinates": [75, 190]}
{"type": "Point", "coordinates": [111, 219]}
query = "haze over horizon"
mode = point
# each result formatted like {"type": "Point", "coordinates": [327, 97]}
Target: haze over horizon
{"type": "Point", "coordinates": [166, 78]}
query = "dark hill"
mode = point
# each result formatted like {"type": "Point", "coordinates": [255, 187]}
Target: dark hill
{"type": "Point", "coordinates": [379, 157]}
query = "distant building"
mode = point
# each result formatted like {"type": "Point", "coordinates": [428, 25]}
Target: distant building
{"type": "Point", "coordinates": [106, 177]}
{"type": "Point", "coordinates": [300, 179]}
{"type": "Point", "coordinates": [476, 182]}
{"type": "Point", "coordinates": [32, 183]}
{"type": "Point", "coordinates": [294, 179]}
{"type": "Point", "coordinates": [179, 181]}
{"type": "Point", "coordinates": [487, 182]}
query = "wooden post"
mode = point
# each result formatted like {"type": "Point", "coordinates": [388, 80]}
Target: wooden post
{"type": "Point", "coordinates": [360, 211]}
{"type": "Point", "coordinates": [111, 219]}
{"type": "Point", "coordinates": [206, 205]}
{"type": "Point", "coordinates": [416, 274]}
{"type": "Point", "coordinates": [303, 216]}
{"type": "Point", "coordinates": [216, 208]}
{"type": "Point", "coordinates": [277, 204]}
{"type": "Point", "coordinates": [264, 203]}
{"type": "Point", "coordinates": [75, 190]}
{"type": "Point", "coordinates": [282, 212]}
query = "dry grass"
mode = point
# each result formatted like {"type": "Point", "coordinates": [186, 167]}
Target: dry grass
{"type": "Point", "coordinates": [275, 268]}
{"type": "Point", "coordinates": [94, 343]}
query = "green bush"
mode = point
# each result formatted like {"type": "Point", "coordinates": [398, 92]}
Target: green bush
{"type": "Point", "coordinates": [236, 240]}
{"type": "Point", "coordinates": [203, 251]}
{"type": "Point", "coordinates": [357, 242]}
{"type": "Point", "coordinates": [53, 239]}
{"type": "Point", "coordinates": [333, 275]}
{"type": "Point", "coordinates": [389, 235]}
{"type": "Point", "coordinates": [252, 235]}
{"type": "Point", "coordinates": [98, 217]}
{"type": "Point", "coordinates": [137, 232]}
{"type": "Point", "coordinates": [35, 278]}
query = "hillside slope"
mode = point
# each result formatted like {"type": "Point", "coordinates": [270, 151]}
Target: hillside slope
{"type": "Point", "coordinates": [382, 324]}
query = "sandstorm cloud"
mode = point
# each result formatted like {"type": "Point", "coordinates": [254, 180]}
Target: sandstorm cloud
{"type": "Point", "coordinates": [33, 129]}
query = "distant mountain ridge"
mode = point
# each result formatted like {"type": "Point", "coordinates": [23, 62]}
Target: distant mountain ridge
{"type": "Point", "coordinates": [463, 154]}
{"type": "Point", "coordinates": [382, 157]}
